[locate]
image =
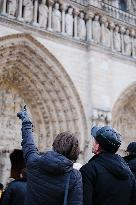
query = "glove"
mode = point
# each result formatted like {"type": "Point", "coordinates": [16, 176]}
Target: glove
{"type": "Point", "coordinates": [23, 115]}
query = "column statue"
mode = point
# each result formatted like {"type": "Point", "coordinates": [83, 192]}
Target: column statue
{"type": "Point", "coordinates": [117, 39]}
{"type": "Point", "coordinates": [43, 14]}
{"type": "Point", "coordinates": [56, 18]}
{"type": "Point", "coordinates": [96, 29]}
{"type": "Point", "coordinates": [28, 10]}
{"type": "Point", "coordinates": [12, 7]}
{"type": "Point", "coordinates": [106, 35]}
{"type": "Point", "coordinates": [127, 43]}
{"type": "Point", "coordinates": [81, 28]}
{"type": "Point", "coordinates": [69, 22]}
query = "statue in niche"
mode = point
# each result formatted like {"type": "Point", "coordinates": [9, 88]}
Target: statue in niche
{"type": "Point", "coordinates": [81, 29]}
{"type": "Point", "coordinates": [43, 14]}
{"type": "Point", "coordinates": [127, 43]}
{"type": "Point", "coordinates": [69, 22]}
{"type": "Point", "coordinates": [56, 18]}
{"type": "Point", "coordinates": [11, 7]}
{"type": "Point", "coordinates": [96, 29]}
{"type": "Point", "coordinates": [106, 35]}
{"type": "Point", "coordinates": [28, 10]}
{"type": "Point", "coordinates": [117, 39]}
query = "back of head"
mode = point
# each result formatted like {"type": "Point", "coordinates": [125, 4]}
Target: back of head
{"type": "Point", "coordinates": [132, 148]}
{"type": "Point", "coordinates": [1, 186]}
{"type": "Point", "coordinates": [17, 163]}
{"type": "Point", "coordinates": [108, 138]}
{"type": "Point", "coordinates": [67, 144]}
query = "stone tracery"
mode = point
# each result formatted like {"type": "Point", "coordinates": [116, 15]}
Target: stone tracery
{"type": "Point", "coordinates": [124, 116]}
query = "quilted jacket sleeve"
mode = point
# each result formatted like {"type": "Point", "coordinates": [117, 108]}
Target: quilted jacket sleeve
{"type": "Point", "coordinates": [28, 146]}
{"type": "Point", "coordinates": [76, 194]}
{"type": "Point", "coordinates": [133, 193]}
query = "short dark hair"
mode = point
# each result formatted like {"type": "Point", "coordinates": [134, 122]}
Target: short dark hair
{"type": "Point", "coordinates": [67, 144]}
{"type": "Point", "coordinates": [1, 186]}
{"type": "Point", "coordinates": [17, 159]}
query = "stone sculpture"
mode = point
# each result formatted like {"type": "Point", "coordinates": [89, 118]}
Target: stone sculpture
{"type": "Point", "coordinates": [69, 22]}
{"type": "Point", "coordinates": [106, 35]}
{"type": "Point", "coordinates": [96, 29]}
{"type": "Point", "coordinates": [127, 43]}
{"type": "Point", "coordinates": [28, 10]}
{"type": "Point", "coordinates": [43, 14]}
{"type": "Point", "coordinates": [117, 39]}
{"type": "Point", "coordinates": [81, 29]}
{"type": "Point", "coordinates": [11, 7]}
{"type": "Point", "coordinates": [56, 18]}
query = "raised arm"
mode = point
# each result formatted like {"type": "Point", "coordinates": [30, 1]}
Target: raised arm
{"type": "Point", "coordinates": [28, 146]}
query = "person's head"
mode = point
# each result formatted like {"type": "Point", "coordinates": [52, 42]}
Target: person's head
{"type": "Point", "coordinates": [70, 10]}
{"type": "Point", "coordinates": [57, 6]}
{"type": "Point", "coordinates": [131, 149]}
{"type": "Point", "coordinates": [117, 28]}
{"type": "Point", "coordinates": [1, 187]}
{"type": "Point", "coordinates": [96, 18]}
{"type": "Point", "coordinates": [106, 24]}
{"type": "Point", "coordinates": [67, 144]}
{"type": "Point", "coordinates": [105, 139]}
{"type": "Point", "coordinates": [17, 163]}
{"type": "Point", "coordinates": [81, 15]}
{"type": "Point", "coordinates": [127, 32]}
{"type": "Point", "coordinates": [44, 2]}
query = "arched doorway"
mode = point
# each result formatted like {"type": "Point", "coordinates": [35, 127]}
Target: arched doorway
{"type": "Point", "coordinates": [124, 116]}
{"type": "Point", "coordinates": [30, 74]}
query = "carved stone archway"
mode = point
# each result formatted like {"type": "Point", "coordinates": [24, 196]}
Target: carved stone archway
{"type": "Point", "coordinates": [30, 74]}
{"type": "Point", "coordinates": [124, 116]}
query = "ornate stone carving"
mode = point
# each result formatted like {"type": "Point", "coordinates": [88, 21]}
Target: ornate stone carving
{"type": "Point", "coordinates": [63, 7]}
{"type": "Point", "coordinates": [43, 14]}
{"type": "Point", "coordinates": [56, 18]}
{"type": "Point", "coordinates": [101, 117]}
{"type": "Point", "coordinates": [75, 27]}
{"type": "Point", "coordinates": [106, 35]}
{"type": "Point", "coordinates": [96, 29]}
{"type": "Point", "coordinates": [81, 27]}
{"type": "Point", "coordinates": [69, 22]}
{"type": "Point", "coordinates": [12, 7]}
{"type": "Point", "coordinates": [89, 17]}
{"type": "Point", "coordinates": [127, 43]}
{"type": "Point", "coordinates": [28, 10]}
{"type": "Point", "coordinates": [117, 39]}
{"type": "Point", "coordinates": [50, 2]}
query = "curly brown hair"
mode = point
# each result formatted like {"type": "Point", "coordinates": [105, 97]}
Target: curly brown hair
{"type": "Point", "coordinates": [67, 144]}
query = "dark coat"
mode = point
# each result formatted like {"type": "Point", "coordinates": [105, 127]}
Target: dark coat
{"type": "Point", "coordinates": [107, 180]}
{"type": "Point", "coordinates": [47, 175]}
{"type": "Point", "coordinates": [131, 160]}
{"type": "Point", "coordinates": [15, 193]}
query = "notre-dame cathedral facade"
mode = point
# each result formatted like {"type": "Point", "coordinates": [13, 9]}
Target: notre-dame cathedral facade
{"type": "Point", "coordinates": [73, 63]}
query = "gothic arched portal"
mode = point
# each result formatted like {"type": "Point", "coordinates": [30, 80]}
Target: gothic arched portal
{"type": "Point", "coordinates": [30, 74]}
{"type": "Point", "coordinates": [124, 116]}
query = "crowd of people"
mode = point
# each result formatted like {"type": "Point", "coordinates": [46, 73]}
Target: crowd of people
{"type": "Point", "coordinates": [52, 179]}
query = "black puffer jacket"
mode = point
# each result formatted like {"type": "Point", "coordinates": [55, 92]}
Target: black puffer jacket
{"type": "Point", "coordinates": [107, 180]}
{"type": "Point", "coordinates": [131, 160]}
{"type": "Point", "coordinates": [47, 175]}
{"type": "Point", "coordinates": [15, 193]}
